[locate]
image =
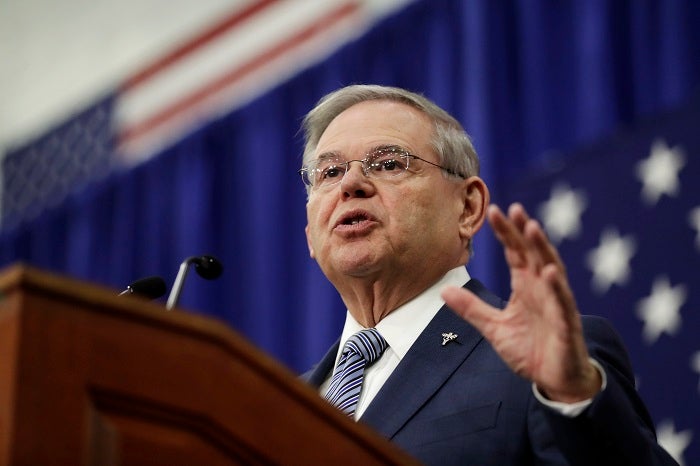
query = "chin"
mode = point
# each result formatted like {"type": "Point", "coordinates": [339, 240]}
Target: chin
{"type": "Point", "coordinates": [354, 265]}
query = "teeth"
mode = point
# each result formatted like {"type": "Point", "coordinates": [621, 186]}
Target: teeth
{"type": "Point", "coordinates": [354, 220]}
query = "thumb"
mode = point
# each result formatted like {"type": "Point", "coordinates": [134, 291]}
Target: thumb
{"type": "Point", "coordinates": [467, 305]}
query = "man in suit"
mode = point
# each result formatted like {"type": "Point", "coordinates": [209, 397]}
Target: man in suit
{"type": "Point", "coordinates": [461, 376]}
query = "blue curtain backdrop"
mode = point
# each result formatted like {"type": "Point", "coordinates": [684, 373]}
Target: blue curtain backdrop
{"type": "Point", "coordinates": [530, 80]}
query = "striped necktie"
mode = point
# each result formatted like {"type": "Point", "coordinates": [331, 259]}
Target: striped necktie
{"type": "Point", "coordinates": [360, 351]}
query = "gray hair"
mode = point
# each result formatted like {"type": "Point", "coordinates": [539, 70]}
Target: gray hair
{"type": "Point", "coordinates": [451, 143]}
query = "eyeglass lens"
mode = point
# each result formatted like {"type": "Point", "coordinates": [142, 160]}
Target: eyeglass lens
{"type": "Point", "coordinates": [383, 163]}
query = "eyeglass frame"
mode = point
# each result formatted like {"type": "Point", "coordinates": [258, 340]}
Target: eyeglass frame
{"type": "Point", "coordinates": [366, 167]}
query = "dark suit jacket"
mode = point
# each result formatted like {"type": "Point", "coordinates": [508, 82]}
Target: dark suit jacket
{"type": "Point", "coordinates": [459, 404]}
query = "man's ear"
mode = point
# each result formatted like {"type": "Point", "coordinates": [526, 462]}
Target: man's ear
{"type": "Point", "coordinates": [476, 198]}
{"type": "Point", "coordinates": [312, 254]}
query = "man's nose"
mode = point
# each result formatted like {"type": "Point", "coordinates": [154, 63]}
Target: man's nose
{"type": "Point", "coordinates": [355, 183]}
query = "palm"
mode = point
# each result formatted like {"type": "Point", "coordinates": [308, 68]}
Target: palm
{"type": "Point", "coordinates": [532, 334]}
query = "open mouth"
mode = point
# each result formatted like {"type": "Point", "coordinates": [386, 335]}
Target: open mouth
{"type": "Point", "coordinates": [354, 218]}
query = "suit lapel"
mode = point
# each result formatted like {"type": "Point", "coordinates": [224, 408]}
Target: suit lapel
{"type": "Point", "coordinates": [425, 368]}
{"type": "Point", "coordinates": [316, 376]}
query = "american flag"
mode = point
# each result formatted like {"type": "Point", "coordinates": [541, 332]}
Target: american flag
{"type": "Point", "coordinates": [245, 53]}
{"type": "Point", "coordinates": [625, 216]}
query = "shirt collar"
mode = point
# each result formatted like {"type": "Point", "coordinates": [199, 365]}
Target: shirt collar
{"type": "Point", "coordinates": [402, 326]}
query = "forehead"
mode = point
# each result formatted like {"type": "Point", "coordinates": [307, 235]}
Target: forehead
{"type": "Point", "coordinates": [377, 123]}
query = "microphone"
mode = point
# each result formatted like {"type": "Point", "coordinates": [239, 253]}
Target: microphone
{"type": "Point", "coordinates": [208, 267]}
{"type": "Point", "coordinates": [149, 287]}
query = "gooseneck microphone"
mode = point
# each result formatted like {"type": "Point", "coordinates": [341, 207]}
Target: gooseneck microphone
{"type": "Point", "coordinates": [207, 267]}
{"type": "Point", "coordinates": [148, 287]}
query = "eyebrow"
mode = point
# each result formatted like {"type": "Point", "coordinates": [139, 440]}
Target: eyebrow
{"type": "Point", "coordinates": [381, 147]}
{"type": "Point", "coordinates": [387, 147]}
{"type": "Point", "coordinates": [327, 155]}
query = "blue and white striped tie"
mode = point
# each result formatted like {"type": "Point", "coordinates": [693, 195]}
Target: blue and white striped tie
{"type": "Point", "coordinates": [360, 351]}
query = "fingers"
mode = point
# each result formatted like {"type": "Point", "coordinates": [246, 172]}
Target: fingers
{"type": "Point", "coordinates": [527, 246]}
{"type": "Point", "coordinates": [518, 215]}
{"type": "Point", "coordinates": [510, 236]}
{"type": "Point", "coordinates": [525, 242]}
{"type": "Point", "coordinates": [541, 244]}
{"type": "Point", "coordinates": [559, 284]}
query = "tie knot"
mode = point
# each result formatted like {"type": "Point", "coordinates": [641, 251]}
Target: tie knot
{"type": "Point", "coordinates": [368, 343]}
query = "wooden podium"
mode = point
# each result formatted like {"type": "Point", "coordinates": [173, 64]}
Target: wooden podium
{"type": "Point", "coordinates": [90, 378]}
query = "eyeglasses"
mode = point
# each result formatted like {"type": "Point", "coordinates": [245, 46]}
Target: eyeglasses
{"type": "Point", "coordinates": [382, 163]}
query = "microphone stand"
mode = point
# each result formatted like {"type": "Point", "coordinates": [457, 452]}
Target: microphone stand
{"type": "Point", "coordinates": [174, 296]}
{"type": "Point", "coordinates": [208, 267]}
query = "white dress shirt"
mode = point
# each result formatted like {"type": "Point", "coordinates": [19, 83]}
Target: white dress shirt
{"type": "Point", "coordinates": [400, 329]}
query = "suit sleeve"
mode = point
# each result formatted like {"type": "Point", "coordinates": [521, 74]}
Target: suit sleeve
{"type": "Point", "coordinates": [616, 429]}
